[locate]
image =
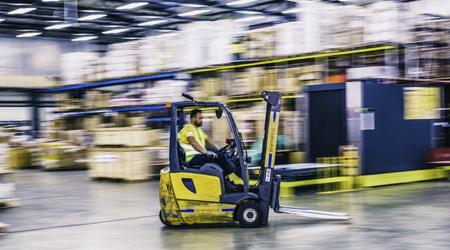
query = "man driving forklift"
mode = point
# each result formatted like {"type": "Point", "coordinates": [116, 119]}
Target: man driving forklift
{"type": "Point", "coordinates": [195, 143]}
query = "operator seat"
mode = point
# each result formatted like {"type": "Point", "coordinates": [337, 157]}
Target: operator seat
{"type": "Point", "coordinates": [209, 168]}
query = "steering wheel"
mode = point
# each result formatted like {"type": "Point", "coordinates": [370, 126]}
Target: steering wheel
{"type": "Point", "coordinates": [229, 150]}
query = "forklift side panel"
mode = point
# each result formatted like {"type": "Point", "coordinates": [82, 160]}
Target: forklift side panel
{"type": "Point", "coordinates": [196, 187]}
{"type": "Point", "coordinates": [199, 212]}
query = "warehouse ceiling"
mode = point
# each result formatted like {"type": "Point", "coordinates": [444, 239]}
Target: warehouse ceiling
{"type": "Point", "coordinates": [113, 21]}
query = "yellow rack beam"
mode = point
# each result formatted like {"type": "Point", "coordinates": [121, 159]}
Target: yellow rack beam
{"type": "Point", "coordinates": [282, 60]}
{"type": "Point", "coordinates": [401, 177]}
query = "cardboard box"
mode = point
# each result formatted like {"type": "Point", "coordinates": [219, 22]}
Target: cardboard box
{"type": "Point", "coordinates": [19, 158]}
{"type": "Point", "coordinates": [120, 163]}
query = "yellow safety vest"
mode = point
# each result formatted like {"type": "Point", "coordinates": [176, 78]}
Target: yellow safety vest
{"type": "Point", "coordinates": [188, 131]}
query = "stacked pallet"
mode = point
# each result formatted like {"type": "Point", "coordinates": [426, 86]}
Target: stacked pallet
{"type": "Point", "coordinates": [125, 154]}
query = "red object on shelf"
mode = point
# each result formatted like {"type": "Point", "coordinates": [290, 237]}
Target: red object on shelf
{"type": "Point", "coordinates": [439, 156]}
{"type": "Point", "coordinates": [336, 79]}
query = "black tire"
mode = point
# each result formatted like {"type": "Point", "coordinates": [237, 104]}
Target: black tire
{"type": "Point", "coordinates": [249, 215]}
{"type": "Point", "coordinates": [162, 219]}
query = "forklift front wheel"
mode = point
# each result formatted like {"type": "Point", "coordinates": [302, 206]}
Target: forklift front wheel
{"type": "Point", "coordinates": [249, 215]}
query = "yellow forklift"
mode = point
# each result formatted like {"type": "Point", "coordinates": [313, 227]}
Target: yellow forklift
{"type": "Point", "coordinates": [197, 194]}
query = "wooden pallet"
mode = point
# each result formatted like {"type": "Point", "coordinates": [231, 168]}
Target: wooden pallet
{"type": "Point", "coordinates": [65, 168]}
{"type": "Point", "coordinates": [9, 203]}
{"type": "Point", "coordinates": [119, 179]}
{"type": "Point", "coordinates": [3, 228]}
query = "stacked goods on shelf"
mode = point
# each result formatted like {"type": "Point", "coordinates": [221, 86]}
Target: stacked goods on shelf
{"type": "Point", "coordinates": [372, 72]}
{"type": "Point", "coordinates": [9, 81]}
{"type": "Point", "coordinates": [386, 21]}
{"type": "Point", "coordinates": [343, 26]}
{"type": "Point", "coordinates": [79, 67]}
{"type": "Point", "coordinates": [21, 150]}
{"type": "Point", "coordinates": [122, 60]}
{"type": "Point", "coordinates": [7, 190]}
{"type": "Point", "coordinates": [124, 153]}
{"type": "Point", "coordinates": [427, 57]}
{"type": "Point", "coordinates": [60, 155]}
{"type": "Point", "coordinates": [158, 53]}
{"type": "Point", "coordinates": [7, 186]}
{"type": "Point", "coordinates": [311, 74]}
{"type": "Point", "coordinates": [164, 91]}
{"type": "Point", "coordinates": [288, 36]}
{"type": "Point", "coordinates": [260, 43]}
{"type": "Point", "coordinates": [64, 145]}
{"type": "Point", "coordinates": [207, 43]}
{"type": "Point", "coordinates": [94, 99]}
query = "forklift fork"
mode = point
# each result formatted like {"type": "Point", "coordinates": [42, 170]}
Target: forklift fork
{"type": "Point", "coordinates": [304, 212]}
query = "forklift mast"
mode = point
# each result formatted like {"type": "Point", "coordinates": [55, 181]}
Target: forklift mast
{"type": "Point", "coordinates": [273, 108]}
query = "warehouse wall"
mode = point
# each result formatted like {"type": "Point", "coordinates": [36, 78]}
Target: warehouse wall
{"type": "Point", "coordinates": [35, 56]}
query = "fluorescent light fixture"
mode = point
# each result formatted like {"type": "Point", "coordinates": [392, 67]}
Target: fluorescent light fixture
{"type": "Point", "coordinates": [293, 10]}
{"type": "Point", "coordinates": [84, 38]}
{"type": "Point", "coordinates": [82, 34]}
{"type": "Point", "coordinates": [21, 11]}
{"type": "Point", "coordinates": [58, 26]}
{"type": "Point", "coordinates": [50, 1]}
{"type": "Point", "coordinates": [194, 12]}
{"type": "Point", "coordinates": [150, 23]}
{"type": "Point", "coordinates": [29, 34]}
{"type": "Point", "coordinates": [115, 31]}
{"type": "Point", "coordinates": [247, 12]}
{"type": "Point", "coordinates": [149, 17]}
{"type": "Point", "coordinates": [240, 2]}
{"type": "Point", "coordinates": [92, 17]}
{"type": "Point", "coordinates": [131, 6]}
{"type": "Point", "coordinates": [192, 5]}
{"type": "Point", "coordinates": [2, 19]}
{"type": "Point", "coordinates": [249, 19]}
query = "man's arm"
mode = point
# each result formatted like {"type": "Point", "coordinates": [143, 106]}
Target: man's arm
{"type": "Point", "coordinates": [212, 144]}
{"type": "Point", "coordinates": [196, 145]}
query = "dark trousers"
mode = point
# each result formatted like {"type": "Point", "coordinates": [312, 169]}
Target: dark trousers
{"type": "Point", "coordinates": [226, 165]}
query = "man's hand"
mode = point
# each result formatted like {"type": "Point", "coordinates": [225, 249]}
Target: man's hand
{"type": "Point", "coordinates": [212, 155]}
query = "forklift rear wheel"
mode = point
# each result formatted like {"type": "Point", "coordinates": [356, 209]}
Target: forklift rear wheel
{"type": "Point", "coordinates": [249, 215]}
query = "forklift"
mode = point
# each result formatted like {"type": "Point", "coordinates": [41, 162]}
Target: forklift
{"type": "Point", "coordinates": [197, 195]}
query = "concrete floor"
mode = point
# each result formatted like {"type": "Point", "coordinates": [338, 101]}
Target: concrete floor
{"type": "Point", "coordinates": [65, 210]}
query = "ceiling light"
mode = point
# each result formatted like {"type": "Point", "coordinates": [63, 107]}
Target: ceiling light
{"type": "Point", "coordinates": [131, 6]}
{"type": "Point", "coordinates": [150, 23]}
{"type": "Point", "coordinates": [1, 20]}
{"type": "Point", "coordinates": [247, 12]}
{"type": "Point", "coordinates": [293, 10]}
{"type": "Point", "coordinates": [84, 38]}
{"type": "Point", "coordinates": [58, 26]}
{"type": "Point", "coordinates": [92, 17]}
{"type": "Point", "coordinates": [240, 2]}
{"type": "Point", "coordinates": [50, 1]}
{"type": "Point", "coordinates": [250, 18]}
{"type": "Point", "coordinates": [150, 17]}
{"type": "Point", "coordinates": [91, 11]}
{"type": "Point", "coordinates": [29, 34]}
{"type": "Point", "coordinates": [21, 11]}
{"type": "Point", "coordinates": [115, 31]}
{"type": "Point", "coordinates": [192, 5]}
{"type": "Point", "coordinates": [82, 34]}
{"type": "Point", "coordinates": [194, 12]}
